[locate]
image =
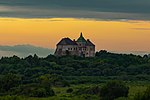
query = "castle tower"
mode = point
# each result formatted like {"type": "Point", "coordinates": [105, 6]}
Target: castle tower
{"type": "Point", "coordinates": [81, 45]}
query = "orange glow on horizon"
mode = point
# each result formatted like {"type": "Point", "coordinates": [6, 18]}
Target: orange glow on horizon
{"type": "Point", "coordinates": [109, 35]}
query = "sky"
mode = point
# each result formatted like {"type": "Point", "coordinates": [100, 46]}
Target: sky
{"type": "Point", "coordinates": [114, 25]}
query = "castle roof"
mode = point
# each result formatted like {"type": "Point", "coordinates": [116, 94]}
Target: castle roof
{"type": "Point", "coordinates": [81, 38]}
{"type": "Point", "coordinates": [89, 43]}
{"type": "Point", "coordinates": [67, 41]}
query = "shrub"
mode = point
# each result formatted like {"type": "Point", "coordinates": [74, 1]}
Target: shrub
{"type": "Point", "coordinates": [8, 97]}
{"type": "Point", "coordinates": [42, 92]}
{"type": "Point", "coordinates": [143, 96]}
{"type": "Point", "coordinates": [33, 90]}
{"type": "Point", "coordinates": [70, 90]}
{"type": "Point", "coordinates": [113, 90]}
{"type": "Point", "coordinates": [88, 90]}
{"type": "Point", "coordinates": [9, 81]}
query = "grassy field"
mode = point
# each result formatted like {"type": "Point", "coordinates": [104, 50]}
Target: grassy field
{"type": "Point", "coordinates": [61, 93]}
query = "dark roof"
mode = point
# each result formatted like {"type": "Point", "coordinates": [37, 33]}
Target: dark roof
{"type": "Point", "coordinates": [81, 38]}
{"type": "Point", "coordinates": [89, 43]}
{"type": "Point", "coordinates": [67, 41]}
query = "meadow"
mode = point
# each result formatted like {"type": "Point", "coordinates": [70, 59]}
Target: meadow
{"type": "Point", "coordinates": [61, 93]}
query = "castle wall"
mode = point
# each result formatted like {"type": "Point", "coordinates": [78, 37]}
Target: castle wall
{"type": "Point", "coordinates": [66, 50]}
{"type": "Point", "coordinates": [90, 51]}
{"type": "Point", "coordinates": [87, 51]}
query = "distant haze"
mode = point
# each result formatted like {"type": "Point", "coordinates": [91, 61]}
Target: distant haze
{"type": "Point", "coordinates": [24, 51]}
{"type": "Point", "coordinates": [141, 53]}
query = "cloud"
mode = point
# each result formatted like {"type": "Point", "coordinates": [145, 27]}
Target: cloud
{"type": "Point", "coordinates": [141, 28]}
{"type": "Point", "coordinates": [4, 9]}
{"type": "Point", "coordinates": [141, 53]}
{"type": "Point", "coordinates": [24, 50]}
{"type": "Point", "coordinates": [96, 9]}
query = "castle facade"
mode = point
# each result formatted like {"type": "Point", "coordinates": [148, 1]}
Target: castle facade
{"type": "Point", "coordinates": [81, 47]}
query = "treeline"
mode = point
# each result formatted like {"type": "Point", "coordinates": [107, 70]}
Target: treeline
{"type": "Point", "coordinates": [104, 64]}
{"type": "Point", "coordinates": [34, 76]}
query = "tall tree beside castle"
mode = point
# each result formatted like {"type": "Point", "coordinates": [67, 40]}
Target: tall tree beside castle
{"type": "Point", "coordinates": [81, 47]}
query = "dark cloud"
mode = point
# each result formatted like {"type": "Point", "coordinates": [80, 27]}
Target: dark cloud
{"type": "Point", "coordinates": [97, 9]}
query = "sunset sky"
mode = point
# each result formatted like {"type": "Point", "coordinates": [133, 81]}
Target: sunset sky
{"type": "Point", "coordinates": [121, 25]}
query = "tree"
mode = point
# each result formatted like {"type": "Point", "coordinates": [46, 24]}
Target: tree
{"type": "Point", "coordinates": [113, 90]}
{"type": "Point", "coordinates": [143, 95]}
{"type": "Point", "coordinates": [9, 81]}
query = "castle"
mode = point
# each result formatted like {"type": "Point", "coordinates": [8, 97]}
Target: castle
{"type": "Point", "coordinates": [81, 47]}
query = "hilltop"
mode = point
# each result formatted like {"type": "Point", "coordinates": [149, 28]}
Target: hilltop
{"type": "Point", "coordinates": [33, 75]}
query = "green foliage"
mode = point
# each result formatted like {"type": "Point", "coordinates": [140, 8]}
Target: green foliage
{"type": "Point", "coordinates": [88, 97]}
{"type": "Point", "coordinates": [88, 90]}
{"type": "Point", "coordinates": [33, 90]}
{"type": "Point", "coordinates": [54, 80]}
{"type": "Point", "coordinates": [9, 81]}
{"type": "Point", "coordinates": [122, 98]}
{"type": "Point", "coordinates": [104, 64]}
{"type": "Point", "coordinates": [143, 95]}
{"type": "Point", "coordinates": [21, 76]}
{"type": "Point", "coordinates": [113, 89]}
{"type": "Point", "coordinates": [42, 92]}
{"type": "Point", "coordinates": [8, 97]}
{"type": "Point", "coordinates": [70, 90]}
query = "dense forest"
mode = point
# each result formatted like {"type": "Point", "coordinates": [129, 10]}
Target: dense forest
{"type": "Point", "coordinates": [35, 77]}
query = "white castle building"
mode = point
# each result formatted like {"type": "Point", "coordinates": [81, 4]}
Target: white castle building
{"type": "Point", "coordinates": [81, 47]}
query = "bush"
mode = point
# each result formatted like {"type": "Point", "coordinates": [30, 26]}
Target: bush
{"type": "Point", "coordinates": [113, 90]}
{"type": "Point", "coordinates": [8, 97]}
{"type": "Point", "coordinates": [41, 92]}
{"type": "Point", "coordinates": [70, 90]}
{"type": "Point", "coordinates": [143, 96]}
{"type": "Point", "coordinates": [88, 90]}
{"type": "Point", "coordinates": [33, 90]}
{"type": "Point", "coordinates": [9, 81]}
{"type": "Point", "coordinates": [122, 98]}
